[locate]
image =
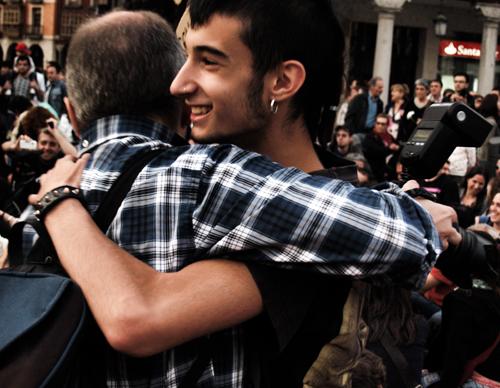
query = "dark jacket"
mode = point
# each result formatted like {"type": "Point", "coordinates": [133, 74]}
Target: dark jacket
{"type": "Point", "coordinates": [355, 118]}
{"type": "Point", "coordinates": [376, 153]}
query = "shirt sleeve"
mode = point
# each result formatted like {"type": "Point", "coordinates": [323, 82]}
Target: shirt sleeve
{"type": "Point", "coordinates": [249, 205]}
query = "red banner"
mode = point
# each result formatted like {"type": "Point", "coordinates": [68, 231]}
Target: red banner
{"type": "Point", "coordinates": [458, 49]}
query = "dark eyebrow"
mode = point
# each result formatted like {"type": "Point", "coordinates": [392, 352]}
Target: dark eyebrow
{"type": "Point", "coordinates": [211, 50]}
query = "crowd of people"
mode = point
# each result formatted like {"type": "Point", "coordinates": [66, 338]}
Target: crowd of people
{"type": "Point", "coordinates": [34, 130]}
{"type": "Point", "coordinates": [226, 268]}
{"type": "Point", "coordinates": [373, 136]}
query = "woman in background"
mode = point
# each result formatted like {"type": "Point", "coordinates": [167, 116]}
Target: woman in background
{"type": "Point", "coordinates": [473, 195]}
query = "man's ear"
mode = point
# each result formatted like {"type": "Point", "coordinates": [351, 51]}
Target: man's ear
{"type": "Point", "coordinates": [288, 79]}
{"type": "Point", "coordinates": [71, 115]}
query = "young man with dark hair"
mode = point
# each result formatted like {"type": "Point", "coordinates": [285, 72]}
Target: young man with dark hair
{"type": "Point", "coordinates": [342, 142]}
{"type": "Point", "coordinates": [25, 83]}
{"type": "Point", "coordinates": [216, 201]}
{"type": "Point", "coordinates": [461, 93]}
{"type": "Point", "coordinates": [436, 91]}
{"type": "Point", "coordinates": [56, 88]}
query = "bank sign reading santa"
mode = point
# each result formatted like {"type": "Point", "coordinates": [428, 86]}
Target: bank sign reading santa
{"type": "Point", "coordinates": [455, 48]}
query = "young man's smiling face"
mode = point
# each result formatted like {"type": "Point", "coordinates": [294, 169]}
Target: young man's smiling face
{"type": "Point", "coordinates": [218, 84]}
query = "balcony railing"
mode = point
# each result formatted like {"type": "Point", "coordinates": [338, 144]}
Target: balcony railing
{"type": "Point", "coordinates": [72, 3]}
{"type": "Point", "coordinates": [71, 19]}
{"type": "Point", "coordinates": [33, 32]}
{"type": "Point", "coordinates": [13, 31]}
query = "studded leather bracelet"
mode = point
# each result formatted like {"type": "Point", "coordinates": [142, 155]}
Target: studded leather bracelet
{"type": "Point", "coordinates": [54, 197]}
{"type": "Point", "coordinates": [421, 193]}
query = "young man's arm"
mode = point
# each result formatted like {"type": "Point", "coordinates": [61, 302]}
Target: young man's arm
{"type": "Point", "coordinates": [140, 310]}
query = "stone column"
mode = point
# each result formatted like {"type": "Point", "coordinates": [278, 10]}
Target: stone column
{"type": "Point", "coordinates": [491, 13]}
{"type": "Point", "coordinates": [383, 49]}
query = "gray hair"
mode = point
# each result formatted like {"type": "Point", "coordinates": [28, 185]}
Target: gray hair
{"type": "Point", "coordinates": [422, 82]}
{"type": "Point", "coordinates": [123, 63]}
{"type": "Point", "coordinates": [373, 81]}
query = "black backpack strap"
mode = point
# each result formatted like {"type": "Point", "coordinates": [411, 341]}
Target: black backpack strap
{"type": "Point", "coordinates": [114, 197]}
{"type": "Point", "coordinates": [399, 361]}
{"type": "Point", "coordinates": [44, 244]}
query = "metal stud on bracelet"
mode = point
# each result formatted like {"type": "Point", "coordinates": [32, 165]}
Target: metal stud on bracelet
{"type": "Point", "coordinates": [55, 196]}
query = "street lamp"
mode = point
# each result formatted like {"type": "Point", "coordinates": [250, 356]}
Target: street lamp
{"type": "Point", "coordinates": [440, 25]}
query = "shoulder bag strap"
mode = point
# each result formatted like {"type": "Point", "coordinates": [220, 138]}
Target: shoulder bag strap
{"type": "Point", "coordinates": [399, 361]}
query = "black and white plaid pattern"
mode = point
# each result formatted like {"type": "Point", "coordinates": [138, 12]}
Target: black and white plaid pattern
{"type": "Point", "coordinates": [206, 201]}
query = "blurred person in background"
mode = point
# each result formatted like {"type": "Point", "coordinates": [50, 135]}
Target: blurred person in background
{"type": "Point", "coordinates": [352, 91]}
{"type": "Point", "coordinates": [34, 151]}
{"type": "Point", "coordinates": [462, 159]}
{"type": "Point", "coordinates": [416, 107]}
{"type": "Point", "coordinates": [56, 88]}
{"type": "Point", "coordinates": [478, 100]}
{"type": "Point", "coordinates": [396, 112]}
{"type": "Point", "coordinates": [473, 195]}
{"type": "Point", "coordinates": [443, 186]}
{"type": "Point", "coordinates": [461, 93]}
{"type": "Point", "coordinates": [381, 149]}
{"type": "Point", "coordinates": [342, 144]}
{"type": "Point", "coordinates": [489, 109]}
{"type": "Point", "coordinates": [436, 91]}
{"type": "Point", "coordinates": [363, 109]}
{"type": "Point", "coordinates": [396, 333]}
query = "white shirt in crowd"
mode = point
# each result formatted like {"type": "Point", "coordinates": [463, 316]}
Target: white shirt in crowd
{"type": "Point", "coordinates": [461, 160]}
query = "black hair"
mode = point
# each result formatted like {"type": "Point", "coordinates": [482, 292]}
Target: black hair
{"type": "Point", "coordinates": [388, 309]}
{"type": "Point", "coordinates": [22, 58]}
{"type": "Point", "coordinates": [448, 91]}
{"type": "Point", "coordinates": [489, 106]}
{"type": "Point", "coordinates": [462, 74]}
{"type": "Point", "coordinates": [477, 170]}
{"type": "Point", "coordinates": [342, 128]}
{"type": "Point", "coordinates": [19, 104]}
{"type": "Point", "coordinates": [280, 30]}
{"type": "Point", "coordinates": [437, 80]}
{"type": "Point", "coordinates": [55, 65]}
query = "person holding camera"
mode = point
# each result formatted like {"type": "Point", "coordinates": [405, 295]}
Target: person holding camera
{"type": "Point", "coordinates": [35, 151]}
{"type": "Point", "coordinates": [461, 93]}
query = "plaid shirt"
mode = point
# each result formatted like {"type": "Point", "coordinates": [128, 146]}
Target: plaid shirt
{"type": "Point", "coordinates": [203, 201]}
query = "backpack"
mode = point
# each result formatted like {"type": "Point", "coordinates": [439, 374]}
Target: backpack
{"type": "Point", "coordinates": [48, 337]}
{"type": "Point", "coordinates": [337, 359]}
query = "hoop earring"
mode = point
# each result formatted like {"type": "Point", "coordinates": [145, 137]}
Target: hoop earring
{"type": "Point", "coordinates": [274, 106]}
